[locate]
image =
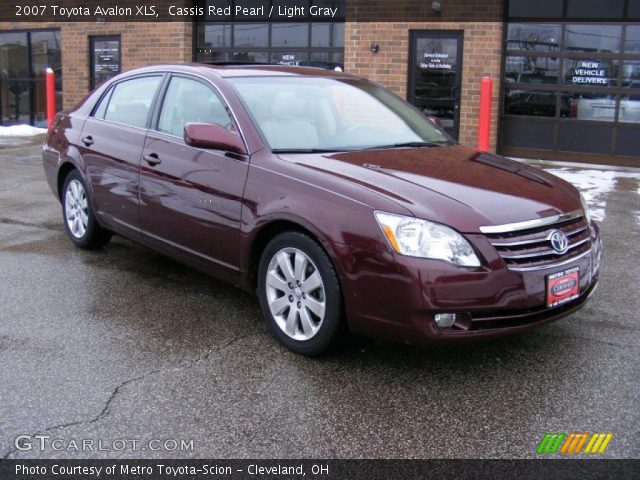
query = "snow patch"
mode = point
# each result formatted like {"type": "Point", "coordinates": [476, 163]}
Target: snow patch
{"type": "Point", "coordinates": [595, 185]}
{"type": "Point", "coordinates": [21, 131]}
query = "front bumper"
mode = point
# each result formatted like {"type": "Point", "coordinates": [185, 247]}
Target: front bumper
{"type": "Point", "coordinates": [396, 297]}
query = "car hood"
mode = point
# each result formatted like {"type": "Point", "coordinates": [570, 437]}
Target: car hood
{"type": "Point", "coordinates": [455, 185]}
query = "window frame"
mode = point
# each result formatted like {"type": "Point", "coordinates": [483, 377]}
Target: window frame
{"type": "Point", "coordinates": [108, 94]}
{"type": "Point", "coordinates": [162, 96]}
{"type": "Point", "coordinates": [617, 91]}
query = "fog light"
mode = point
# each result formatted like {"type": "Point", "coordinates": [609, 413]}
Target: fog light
{"type": "Point", "coordinates": [445, 320]}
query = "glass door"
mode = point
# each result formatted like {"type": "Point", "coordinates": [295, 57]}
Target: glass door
{"type": "Point", "coordinates": [435, 75]}
{"type": "Point", "coordinates": [14, 78]}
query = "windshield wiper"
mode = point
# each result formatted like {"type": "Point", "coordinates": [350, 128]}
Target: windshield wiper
{"type": "Point", "coordinates": [305, 150]}
{"type": "Point", "coordinates": [408, 144]}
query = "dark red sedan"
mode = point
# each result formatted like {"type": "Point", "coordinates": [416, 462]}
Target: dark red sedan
{"type": "Point", "coordinates": [332, 198]}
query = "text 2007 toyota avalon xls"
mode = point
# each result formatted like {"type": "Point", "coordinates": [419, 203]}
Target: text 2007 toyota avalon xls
{"type": "Point", "coordinates": [335, 200]}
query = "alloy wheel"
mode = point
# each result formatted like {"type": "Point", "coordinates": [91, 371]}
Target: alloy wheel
{"type": "Point", "coordinates": [295, 293]}
{"type": "Point", "coordinates": [76, 209]}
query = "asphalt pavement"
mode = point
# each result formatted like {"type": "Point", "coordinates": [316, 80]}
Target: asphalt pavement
{"type": "Point", "coordinates": [131, 352]}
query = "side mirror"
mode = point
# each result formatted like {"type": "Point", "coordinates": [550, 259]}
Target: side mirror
{"type": "Point", "coordinates": [209, 135]}
{"type": "Point", "coordinates": [435, 120]}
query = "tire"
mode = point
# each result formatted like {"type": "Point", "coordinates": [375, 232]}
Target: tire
{"type": "Point", "coordinates": [77, 212]}
{"type": "Point", "coordinates": [306, 318]}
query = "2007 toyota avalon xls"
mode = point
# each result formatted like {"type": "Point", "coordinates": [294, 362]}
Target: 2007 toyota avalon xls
{"type": "Point", "coordinates": [335, 200]}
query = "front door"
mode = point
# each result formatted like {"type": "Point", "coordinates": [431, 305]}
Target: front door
{"type": "Point", "coordinates": [190, 198]}
{"type": "Point", "coordinates": [435, 74]}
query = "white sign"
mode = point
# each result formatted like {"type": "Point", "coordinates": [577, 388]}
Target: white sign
{"type": "Point", "coordinates": [591, 73]}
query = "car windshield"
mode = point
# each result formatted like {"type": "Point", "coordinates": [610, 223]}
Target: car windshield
{"type": "Point", "coordinates": [311, 114]}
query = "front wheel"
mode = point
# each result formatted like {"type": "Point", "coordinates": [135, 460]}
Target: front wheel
{"type": "Point", "coordinates": [299, 293]}
{"type": "Point", "coordinates": [79, 220]}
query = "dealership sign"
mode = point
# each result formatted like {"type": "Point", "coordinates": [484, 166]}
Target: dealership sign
{"type": "Point", "coordinates": [590, 72]}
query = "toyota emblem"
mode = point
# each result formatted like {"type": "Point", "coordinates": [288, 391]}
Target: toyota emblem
{"type": "Point", "coordinates": [559, 241]}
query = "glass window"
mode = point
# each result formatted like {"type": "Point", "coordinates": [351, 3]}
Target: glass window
{"type": "Point", "coordinates": [187, 101]}
{"type": "Point", "coordinates": [632, 44]}
{"type": "Point", "coordinates": [251, 35]}
{"type": "Point", "coordinates": [328, 60]}
{"type": "Point", "coordinates": [289, 58]}
{"type": "Point", "coordinates": [102, 106]}
{"type": "Point", "coordinates": [631, 73]}
{"type": "Point", "coordinates": [591, 73]}
{"type": "Point", "coordinates": [209, 55]}
{"type": "Point", "coordinates": [588, 106]}
{"type": "Point", "coordinates": [327, 35]}
{"type": "Point", "coordinates": [634, 9]}
{"type": "Point", "coordinates": [289, 35]}
{"type": "Point", "coordinates": [532, 69]}
{"type": "Point", "coordinates": [251, 57]}
{"type": "Point", "coordinates": [538, 104]}
{"type": "Point", "coordinates": [131, 100]}
{"type": "Point", "coordinates": [538, 37]}
{"type": "Point", "coordinates": [630, 102]}
{"type": "Point", "coordinates": [279, 42]}
{"type": "Point", "coordinates": [214, 35]}
{"type": "Point", "coordinates": [14, 78]}
{"type": "Point", "coordinates": [593, 38]}
{"type": "Point", "coordinates": [595, 8]}
{"type": "Point", "coordinates": [535, 8]}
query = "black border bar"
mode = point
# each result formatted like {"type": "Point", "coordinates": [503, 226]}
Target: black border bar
{"type": "Point", "coordinates": [565, 469]}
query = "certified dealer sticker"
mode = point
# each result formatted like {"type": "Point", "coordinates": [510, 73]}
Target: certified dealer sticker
{"type": "Point", "coordinates": [563, 287]}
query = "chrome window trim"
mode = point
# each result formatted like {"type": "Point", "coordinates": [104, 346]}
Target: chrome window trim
{"type": "Point", "coordinates": [529, 224]}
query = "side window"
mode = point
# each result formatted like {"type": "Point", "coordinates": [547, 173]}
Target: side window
{"type": "Point", "coordinates": [102, 106]}
{"type": "Point", "coordinates": [131, 100]}
{"type": "Point", "coordinates": [188, 100]}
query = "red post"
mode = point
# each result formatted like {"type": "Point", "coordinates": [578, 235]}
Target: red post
{"type": "Point", "coordinates": [484, 124]}
{"type": "Point", "coordinates": [51, 97]}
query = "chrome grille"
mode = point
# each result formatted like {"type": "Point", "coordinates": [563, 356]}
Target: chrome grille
{"type": "Point", "coordinates": [530, 248]}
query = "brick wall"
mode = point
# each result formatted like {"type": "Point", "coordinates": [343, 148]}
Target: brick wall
{"type": "Point", "coordinates": [142, 43]}
{"type": "Point", "coordinates": [482, 51]}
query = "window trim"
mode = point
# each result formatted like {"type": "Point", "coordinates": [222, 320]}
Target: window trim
{"type": "Point", "coordinates": [160, 97]}
{"type": "Point", "coordinates": [109, 93]}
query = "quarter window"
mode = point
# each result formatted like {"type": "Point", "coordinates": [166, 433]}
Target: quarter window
{"type": "Point", "coordinates": [131, 101]}
{"type": "Point", "coordinates": [187, 101]}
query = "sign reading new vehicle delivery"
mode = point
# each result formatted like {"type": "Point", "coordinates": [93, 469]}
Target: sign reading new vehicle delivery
{"type": "Point", "coordinates": [590, 72]}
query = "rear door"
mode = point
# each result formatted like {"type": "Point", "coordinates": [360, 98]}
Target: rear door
{"type": "Point", "coordinates": [191, 197]}
{"type": "Point", "coordinates": [111, 145]}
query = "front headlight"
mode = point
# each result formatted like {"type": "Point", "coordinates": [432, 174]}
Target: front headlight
{"type": "Point", "coordinates": [420, 238]}
{"type": "Point", "coordinates": [585, 207]}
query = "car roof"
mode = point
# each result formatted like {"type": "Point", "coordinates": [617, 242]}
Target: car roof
{"type": "Point", "coordinates": [241, 70]}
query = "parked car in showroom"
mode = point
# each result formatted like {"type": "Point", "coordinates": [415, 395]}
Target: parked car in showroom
{"type": "Point", "coordinates": [336, 201]}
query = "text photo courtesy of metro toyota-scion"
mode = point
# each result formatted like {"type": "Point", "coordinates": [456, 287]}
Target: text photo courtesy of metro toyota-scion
{"type": "Point", "coordinates": [319, 239]}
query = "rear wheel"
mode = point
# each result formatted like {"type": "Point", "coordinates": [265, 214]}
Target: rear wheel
{"type": "Point", "coordinates": [299, 293]}
{"type": "Point", "coordinates": [79, 220]}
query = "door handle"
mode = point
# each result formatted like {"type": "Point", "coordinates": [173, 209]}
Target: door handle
{"type": "Point", "coordinates": [88, 140]}
{"type": "Point", "coordinates": [152, 159]}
